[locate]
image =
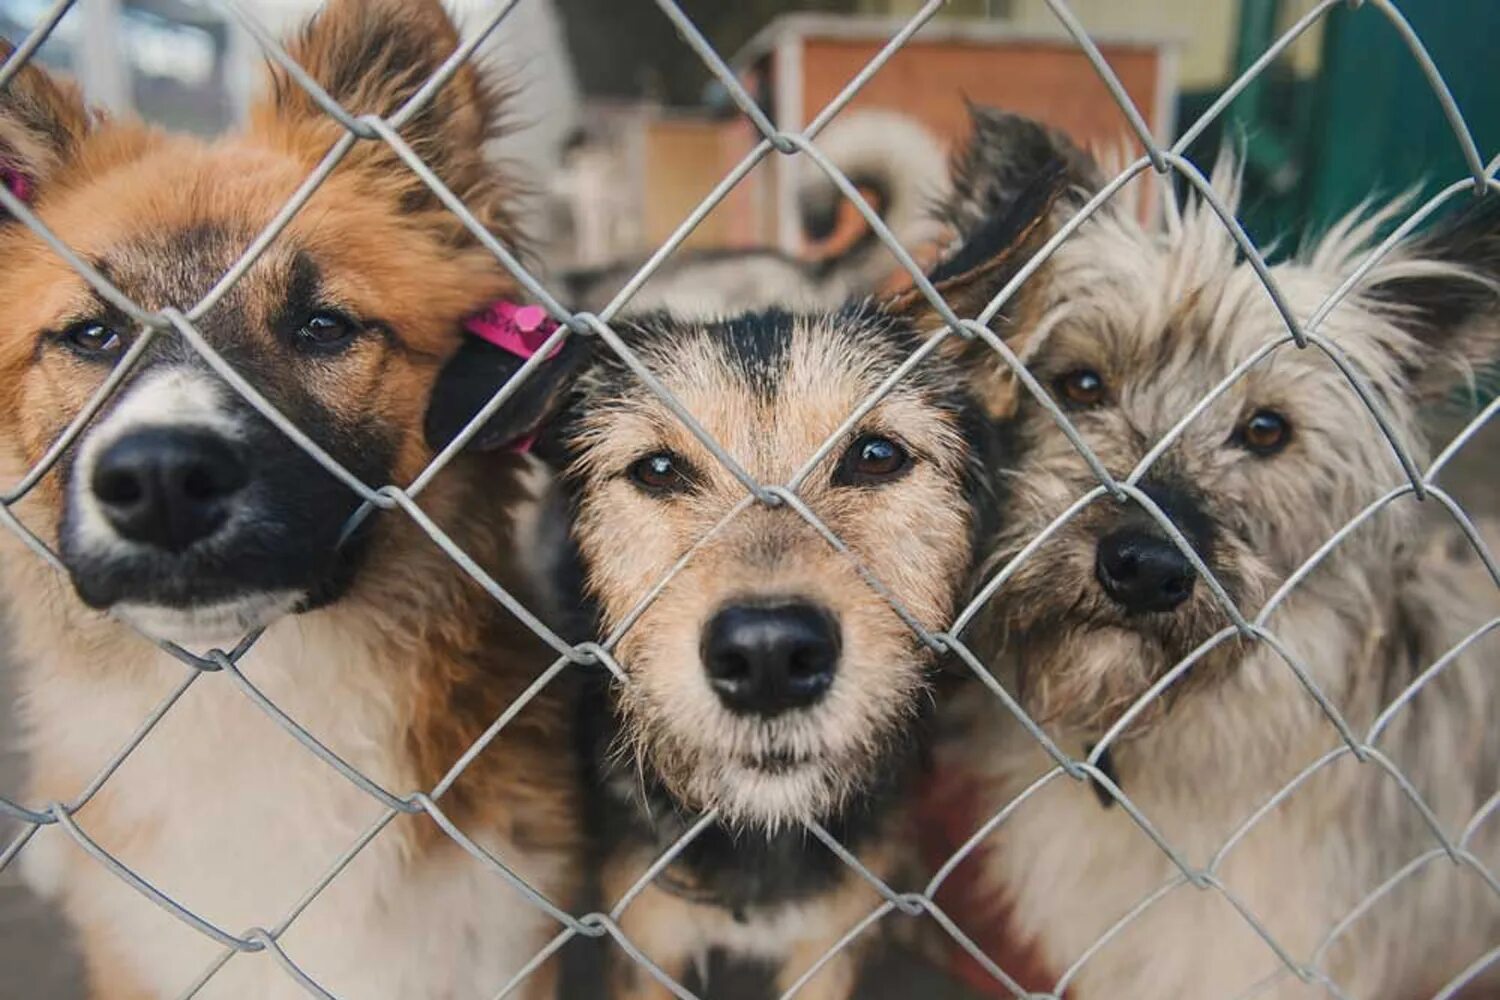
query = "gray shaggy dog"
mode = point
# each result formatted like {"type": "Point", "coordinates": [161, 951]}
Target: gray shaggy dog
{"type": "Point", "coordinates": [1374, 877]}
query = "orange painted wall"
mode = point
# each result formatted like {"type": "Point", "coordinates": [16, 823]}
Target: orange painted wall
{"type": "Point", "coordinates": [1051, 81]}
{"type": "Point", "coordinates": [683, 163]}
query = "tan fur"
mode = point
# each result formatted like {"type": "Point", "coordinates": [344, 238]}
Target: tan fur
{"type": "Point", "coordinates": [910, 535]}
{"type": "Point", "coordinates": [1163, 317]}
{"type": "Point", "coordinates": [403, 672]}
{"type": "Point", "coordinates": [771, 389]}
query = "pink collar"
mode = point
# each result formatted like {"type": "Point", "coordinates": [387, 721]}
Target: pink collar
{"type": "Point", "coordinates": [519, 330]}
{"type": "Point", "coordinates": [16, 182]}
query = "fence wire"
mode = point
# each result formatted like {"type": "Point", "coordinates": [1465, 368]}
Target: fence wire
{"type": "Point", "coordinates": [222, 667]}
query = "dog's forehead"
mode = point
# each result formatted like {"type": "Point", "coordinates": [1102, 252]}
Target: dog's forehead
{"type": "Point", "coordinates": [771, 387]}
{"type": "Point", "coordinates": [177, 266]}
{"type": "Point", "coordinates": [1173, 328]}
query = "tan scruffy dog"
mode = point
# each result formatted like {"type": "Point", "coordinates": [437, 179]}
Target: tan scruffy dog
{"type": "Point", "coordinates": [183, 511]}
{"type": "Point", "coordinates": [1115, 642]}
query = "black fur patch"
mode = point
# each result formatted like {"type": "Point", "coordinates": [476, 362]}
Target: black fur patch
{"type": "Point", "coordinates": [757, 346]}
{"type": "Point", "coordinates": [733, 977]}
{"type": "Point", "coordinates": [1184, 509]}
{"type": "Point", "coordinates": [479, 370]}
{"type": "Point", "coordinates": [1438, 305]}
{"type": "Point", "coordinates": [999, 232]}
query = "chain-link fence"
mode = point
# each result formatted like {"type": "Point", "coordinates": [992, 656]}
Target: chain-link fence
{"type": "Point", "coordinates": [403, 500]}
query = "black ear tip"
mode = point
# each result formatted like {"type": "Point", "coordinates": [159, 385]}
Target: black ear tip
{"type": "Point", "coordinates": [477, 372]}
{"type": "Point", "coordinates": [466, 384]}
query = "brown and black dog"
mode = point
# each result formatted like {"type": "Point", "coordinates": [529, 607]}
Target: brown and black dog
{"type": "Point", "coordinates": [181, 512]}
{"type": "Point", "coordinates": [768, 679]}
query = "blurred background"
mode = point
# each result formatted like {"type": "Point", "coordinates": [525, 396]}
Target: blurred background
{"type": "Point", "coordinates": [620, 131]}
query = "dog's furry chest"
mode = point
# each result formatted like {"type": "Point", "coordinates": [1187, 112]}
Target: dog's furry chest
{"type": "Point", "coordinates": [1063, 844]}
{"type": "Point", "coordinates": [1294, 873]}
{"type": "Point", "coordinates": [739, 911]}
{"type": "Point", "coordinates": [226, 813]}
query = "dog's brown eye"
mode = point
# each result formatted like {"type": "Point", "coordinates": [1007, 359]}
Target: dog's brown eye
{"type": "Point", "coordinates": [1080, 387]}
{"type": "Point", "coordinates": [326, 330]}
{"type": "Point", "coordinates": [660, 474]}
{"type": "Point", "coordinates": [872, 459]}
{"type": "Point", "coordinates": [1266, 432]}
{"type": "Point", "coordinates": [94, 340]}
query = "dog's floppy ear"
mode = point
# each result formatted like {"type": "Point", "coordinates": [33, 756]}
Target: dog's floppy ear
{"type": "Point", "coordinates": [1445, 292]}
{"type": "Point", "coordinates": [43, 121]}
{"type": "Point", "coordinates": [1014, 183]}
{"type": "Point", "coordinates": [471, 378]}
{"type": "Point", "coordinates": [372, 56]}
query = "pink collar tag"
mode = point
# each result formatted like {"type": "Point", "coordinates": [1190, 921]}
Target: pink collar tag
{"type": "Point", "coordinates": [519, 330]}
{"type": "Point", "coordinates": [16, 183]}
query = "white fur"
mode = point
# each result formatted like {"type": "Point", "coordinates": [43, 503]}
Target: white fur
{"type": "Point", "coordinates": [230, 816]}
{"type": "Point", "coordinates": [220, 624]}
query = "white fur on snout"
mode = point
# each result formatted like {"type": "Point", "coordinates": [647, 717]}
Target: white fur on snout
{"type": "Point", "coordinates": [200, 628]}
{"type": "Point", "coordinates": [178, 397]}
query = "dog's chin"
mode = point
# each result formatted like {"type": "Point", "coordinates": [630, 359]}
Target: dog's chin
{"type": "Point", "coordinates": [219, 625]}
{"type": "Point", "coordinates": [1083, 674]}
{"type": "Point", "coordinates": [767, 780]}
{"type": "Point", "coordinates": [775, 793]}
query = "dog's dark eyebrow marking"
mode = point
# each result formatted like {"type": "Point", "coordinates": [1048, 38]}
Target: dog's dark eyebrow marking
{"type": "Point", "coordinates": [301, 297]}
{"type": "Point", "coordinates": [304, 296]}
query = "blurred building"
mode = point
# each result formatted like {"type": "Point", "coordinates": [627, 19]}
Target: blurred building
{"type": "Point", "coordinates": [189, 66]}
{"type": "Point", "coordinates": [621, 129]}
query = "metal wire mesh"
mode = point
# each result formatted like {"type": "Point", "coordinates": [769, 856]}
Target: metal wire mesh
{"type": "Point", "coordinates": [221, 667]}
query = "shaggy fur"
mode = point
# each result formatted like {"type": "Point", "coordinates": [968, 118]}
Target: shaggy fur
{"type": "Point", "coordinates": [393, 658]}
{"type": "Point", "coordinates": [1160, 317]}
{"type": "Point", "coordinates": [771, 387]}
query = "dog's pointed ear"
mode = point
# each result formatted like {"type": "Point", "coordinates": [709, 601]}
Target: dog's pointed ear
{"type": "Point", "coordinates": [1445, 293]}
{"type": "Point", "coordinates": [1014, 183]}
{"type": "Point", "coordinates": [43, 122]}
{"type": "Point", "coordinates": [372, 57]}
{"type": "Point", "coordinates": [479, 370]}
{"type": "Point", "coordinates": [1009, 160]}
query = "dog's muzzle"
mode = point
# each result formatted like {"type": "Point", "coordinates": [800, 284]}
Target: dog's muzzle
{"type": "Point", "coordinates": [184, 509]}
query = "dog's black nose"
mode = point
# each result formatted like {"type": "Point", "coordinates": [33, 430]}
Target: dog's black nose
{"type": "Point", "coordinates": [1143, 571]}
{"type": "Point", "coordinates": [167, 487]}
{"type": "Point", "coordinates": [767, 660]}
